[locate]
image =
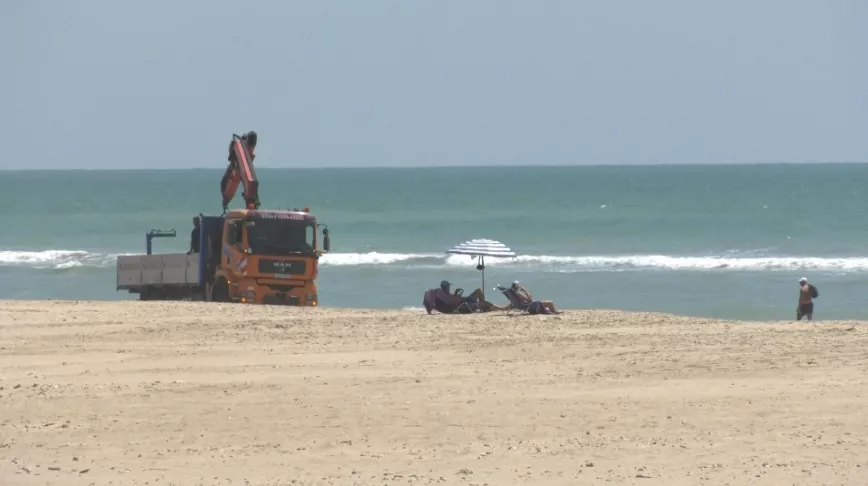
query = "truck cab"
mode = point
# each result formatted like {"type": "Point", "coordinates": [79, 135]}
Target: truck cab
{"type": "Point", "coordinates": [245, 256]}
{"type": "Point", "coordinates": [262, 256]}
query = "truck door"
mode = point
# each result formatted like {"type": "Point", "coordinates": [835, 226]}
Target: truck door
{"type": "Point", "coordinates": [233, 252]}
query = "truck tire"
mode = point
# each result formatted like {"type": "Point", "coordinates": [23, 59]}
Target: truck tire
{"type": "Point", "coordinates": [220, 291]}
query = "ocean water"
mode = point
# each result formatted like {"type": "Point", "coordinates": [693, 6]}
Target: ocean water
{"type": "Point", "coordinates": [721, 241]}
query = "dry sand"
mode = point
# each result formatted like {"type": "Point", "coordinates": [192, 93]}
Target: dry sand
{"type": "Point", "coordinates": [194, 393]}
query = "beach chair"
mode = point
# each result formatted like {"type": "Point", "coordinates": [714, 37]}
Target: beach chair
{"type": "Point", "coordinates": [516, 304]}
{"type": "Point", "coordinates": [432, 303]}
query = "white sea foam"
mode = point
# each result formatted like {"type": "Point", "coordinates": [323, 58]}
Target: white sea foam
{"type": "Point", "coordinates": [70, 259]}
{"type": "Point", "coordinates": [56, 259]}
{"type": "Point", "coordinates": [373, 258]}
{"type": "Point", "coordinates": [413, 308]}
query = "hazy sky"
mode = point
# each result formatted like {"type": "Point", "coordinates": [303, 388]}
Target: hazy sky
{"type": "Point", "coordinates": [115, 84]}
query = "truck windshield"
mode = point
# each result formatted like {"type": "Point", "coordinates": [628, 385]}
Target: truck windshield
{"type": "Point", "coordinates": [281, 237]}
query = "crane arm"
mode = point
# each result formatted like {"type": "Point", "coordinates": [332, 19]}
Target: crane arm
{"type": "Point", "coordinates": [240, 171]}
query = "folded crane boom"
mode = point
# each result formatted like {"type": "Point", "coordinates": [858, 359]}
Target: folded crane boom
{"type": "Point", "coordinates": [240, 171]}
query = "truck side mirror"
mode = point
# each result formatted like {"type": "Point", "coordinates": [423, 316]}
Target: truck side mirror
{"type": "Point", "coordinates": [326, 240]}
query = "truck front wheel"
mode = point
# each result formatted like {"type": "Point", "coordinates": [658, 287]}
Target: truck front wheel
{"type": "Point", "coordinates": [220, 291]}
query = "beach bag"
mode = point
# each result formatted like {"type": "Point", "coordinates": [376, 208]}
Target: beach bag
{"type": "Point", "coordinates": [814, 292]}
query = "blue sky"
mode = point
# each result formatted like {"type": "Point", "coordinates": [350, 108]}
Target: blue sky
{"type": "Point", "coordinates": [158, 84]}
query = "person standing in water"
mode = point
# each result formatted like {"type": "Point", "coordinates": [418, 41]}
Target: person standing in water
{"type": "Point", "coordinates": [806, 300]}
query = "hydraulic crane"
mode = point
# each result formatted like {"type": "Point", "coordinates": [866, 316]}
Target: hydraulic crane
{"type": "Point", "coordinates": [242, 151]}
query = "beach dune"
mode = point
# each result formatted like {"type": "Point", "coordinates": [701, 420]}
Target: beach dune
{"type": "Point", "coordinates": [195, 393]}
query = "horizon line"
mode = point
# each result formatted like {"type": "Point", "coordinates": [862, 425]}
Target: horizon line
{"type": "Point", "coordinates": [410, 167]}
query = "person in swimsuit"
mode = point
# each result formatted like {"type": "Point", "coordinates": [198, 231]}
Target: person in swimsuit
{"type": "Point", "coordinates": [806, 301]}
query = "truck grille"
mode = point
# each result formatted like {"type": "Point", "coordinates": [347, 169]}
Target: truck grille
{"type": "Point", "coordinates": [282, 267]}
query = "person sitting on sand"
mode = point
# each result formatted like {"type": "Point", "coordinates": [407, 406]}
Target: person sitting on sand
{"type": "Point", "coordinates": [525, 297]}
{"type": "Point", "coordinates": [442, 298]}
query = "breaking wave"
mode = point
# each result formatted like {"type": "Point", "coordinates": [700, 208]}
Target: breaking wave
{"type": "Point", "coordinates": [597, 263]}
{"type": "Point", "coordinates": [71, 259]}
{"type": "Point", "coordinates": [56, 259]}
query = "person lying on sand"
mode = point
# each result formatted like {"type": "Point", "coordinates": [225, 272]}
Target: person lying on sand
{"type": "Point", "coordinates": [442, 300]}
{"type": "Point", "coordinates": [526, 301]}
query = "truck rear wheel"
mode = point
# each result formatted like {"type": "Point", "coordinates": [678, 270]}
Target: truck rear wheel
{"type": "Point", "coordinates": [220, 291]}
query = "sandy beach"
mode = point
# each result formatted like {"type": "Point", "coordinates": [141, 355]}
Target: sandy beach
{"type": "Point", "coordinates": [194, 393]}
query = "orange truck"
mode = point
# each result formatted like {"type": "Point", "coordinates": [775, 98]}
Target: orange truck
{"type": "Point", "coordinates": [249, 255]}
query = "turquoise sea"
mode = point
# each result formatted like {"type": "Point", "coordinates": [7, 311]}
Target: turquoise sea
{"type": "Point", "coordinates": [723, 241]}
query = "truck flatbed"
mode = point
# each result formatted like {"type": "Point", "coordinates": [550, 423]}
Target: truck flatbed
{"type": "Point", "coordinates": [167, 274]}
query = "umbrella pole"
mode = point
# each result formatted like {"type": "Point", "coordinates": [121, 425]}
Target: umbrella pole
{"type": "Point", "coordinates": [482, 261]}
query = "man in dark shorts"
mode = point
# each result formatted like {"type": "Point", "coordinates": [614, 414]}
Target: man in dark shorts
{"type": "Point", "coordinates": [194, 237]}
{"type": "Point", "coordinates": [806, 300]}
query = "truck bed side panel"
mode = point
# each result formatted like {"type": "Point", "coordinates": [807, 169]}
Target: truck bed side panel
{"type": "Point", "coordinates": [152, 269]}
{"type": "Point", "coordinates": [192, 273]}
{"type": "Point", "coordinates": [174, 269]}
{"type": "Point", "coordinates": [137, 271]}
{"type": "Point", "coordinates": [129, 271]}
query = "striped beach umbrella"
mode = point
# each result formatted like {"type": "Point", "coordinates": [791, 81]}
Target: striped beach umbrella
{"type": "Point", "coordinates": [482, 248]}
